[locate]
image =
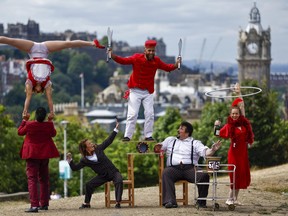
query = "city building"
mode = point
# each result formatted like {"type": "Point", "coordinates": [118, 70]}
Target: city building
{"type": "Point", "coordinates": [254, 51]}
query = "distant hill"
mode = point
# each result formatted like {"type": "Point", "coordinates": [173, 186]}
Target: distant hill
{"type": "Point", "coordinates": [219, 67]}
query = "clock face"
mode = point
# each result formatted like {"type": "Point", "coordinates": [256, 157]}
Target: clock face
{"type": "Point", "coordinates": [252, 48]}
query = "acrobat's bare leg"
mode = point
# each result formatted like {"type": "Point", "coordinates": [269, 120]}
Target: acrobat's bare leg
{"type": "Point", "coordinates": [29, 92]}
{"type": "Point", "coordinates": [54, 46]}
{"type": "Point", "coordinates": [21, 44]}
{"type": "Point", "coordinates": [48, 91]}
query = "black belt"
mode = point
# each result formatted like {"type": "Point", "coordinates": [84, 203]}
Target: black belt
{"type": "Point", "coordinates": [183, 166]}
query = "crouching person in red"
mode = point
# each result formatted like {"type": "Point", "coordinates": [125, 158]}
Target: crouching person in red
{"type": "Point", "coordinates": [37, 148]}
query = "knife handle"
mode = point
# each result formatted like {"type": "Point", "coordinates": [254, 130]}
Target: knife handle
{"type": "Point", "coordinates": [108, 54]}
{"type": "Point", "coordinates": [179, 63]}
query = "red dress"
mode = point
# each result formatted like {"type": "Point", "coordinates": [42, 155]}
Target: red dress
{"type": "Point", "coordinates": [238, 151]}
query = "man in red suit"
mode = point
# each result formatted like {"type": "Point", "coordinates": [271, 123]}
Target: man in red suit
{"type": "Point", "coordinates": [141, 86]}
{"type": "Point", "coordinates": [37, 148]}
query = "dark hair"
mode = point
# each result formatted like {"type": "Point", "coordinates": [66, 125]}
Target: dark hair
{"type": "Point", "coordinates": [40, 114]}
{"type": "Point", "coordinates": [82, 148]}
{"type": "Point", "coordinates": [189, 127]}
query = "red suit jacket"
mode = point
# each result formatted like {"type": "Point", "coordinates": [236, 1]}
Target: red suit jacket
{"type": "Point", "coordinates": [38, 143]}
{"type": "Point", "coordinates": [143, 70]}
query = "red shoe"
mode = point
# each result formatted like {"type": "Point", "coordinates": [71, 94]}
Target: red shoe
{"type": "Point", "coordinates": [98, 45]}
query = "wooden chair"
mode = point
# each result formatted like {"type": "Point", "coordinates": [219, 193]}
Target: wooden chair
{"type": "Point", "coordinates": [130, 186]}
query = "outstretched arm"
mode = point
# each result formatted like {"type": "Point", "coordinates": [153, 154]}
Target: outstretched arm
{"type": "Point", "coordinates": [28, 89]}
{"type": "Point", "coordinates": [111, 137]}
{"type": "Point", "coordinates": [214, 148]}
{"type": "Point", "coordinates": [48, 91]}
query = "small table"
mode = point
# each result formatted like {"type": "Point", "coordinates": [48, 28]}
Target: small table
{"type": "Point", "coordinates": [160, 168]}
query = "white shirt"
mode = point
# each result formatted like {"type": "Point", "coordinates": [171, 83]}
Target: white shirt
{"type": "Point", "coordinates": [92, 157]}
{"type": "Point", "coordinates": [182, 150]}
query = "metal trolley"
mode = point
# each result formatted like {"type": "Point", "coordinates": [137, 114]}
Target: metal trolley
{"type": "Point", "coordinates": [214, 167]}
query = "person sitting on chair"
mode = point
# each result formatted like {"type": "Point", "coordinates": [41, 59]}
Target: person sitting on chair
{"type": "Point", "coordinates": [183, 152]}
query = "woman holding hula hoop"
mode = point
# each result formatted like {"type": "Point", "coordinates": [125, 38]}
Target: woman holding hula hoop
{"type": "Point", "coordinates": [238, 129]}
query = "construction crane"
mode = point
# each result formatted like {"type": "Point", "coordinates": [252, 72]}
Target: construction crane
{"type": "Point", "coordinates": [212, 54]}
{"type": "Point", "coordinates": [201, 54]}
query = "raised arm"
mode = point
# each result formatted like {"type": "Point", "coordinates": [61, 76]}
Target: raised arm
{"type": "Point", "coordinates": [241, 105]}
{"type": "Point", "coordinates": [111, 137]}
{"type": "Point", "coordinates": [48, 91]}
{"type": "Point", "coordinates": [28, 89]}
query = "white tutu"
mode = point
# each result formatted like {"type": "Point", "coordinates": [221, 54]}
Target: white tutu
{"type": "Point", "coordinates": [40, 72]}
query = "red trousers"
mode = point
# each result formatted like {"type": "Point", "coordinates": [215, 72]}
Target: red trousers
{"type": "Point", "coordinates": [37, 171]}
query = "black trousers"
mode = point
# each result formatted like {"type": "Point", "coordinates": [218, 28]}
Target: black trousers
{"type": "Point", "coordinates": [100, 180]}
{"type": "Point", "coordinates": [182, 172]}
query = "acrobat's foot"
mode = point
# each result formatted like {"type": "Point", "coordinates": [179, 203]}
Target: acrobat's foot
{"type": "Point", "coordinates": [98, 45]}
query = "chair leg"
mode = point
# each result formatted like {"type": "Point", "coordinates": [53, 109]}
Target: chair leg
{"type": "Point", "coordinates": [107, 195]}
{"type": "Point", "coordinates": [185, 193]}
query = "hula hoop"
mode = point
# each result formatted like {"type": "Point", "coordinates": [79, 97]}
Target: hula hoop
{"type": "Point", "coordinates": [258, 90]}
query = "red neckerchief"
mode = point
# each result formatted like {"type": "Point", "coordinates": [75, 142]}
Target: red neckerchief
{"type": "Point", "coordinates": [241, 121]}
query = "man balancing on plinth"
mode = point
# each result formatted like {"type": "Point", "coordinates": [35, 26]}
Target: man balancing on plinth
{"type": "Point", "coordinates": [141, 86]}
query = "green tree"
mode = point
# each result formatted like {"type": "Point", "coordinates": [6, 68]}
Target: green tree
{"type": "Point", "coordinates": [12, 166]}
{"type": "Point", "coordinates": [270, 147]}
{"type": "Point", "coordinates": [80, 63]}
{"type": "Point", "coordinates": [168, 124]}
{"type": "Point", "coordinates": [103, 72]}
{"type": "Point", "coordinates": [61, 59]}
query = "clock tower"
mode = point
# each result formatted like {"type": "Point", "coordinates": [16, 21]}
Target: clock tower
{"type": "Point", "coordinates": [254, 51]}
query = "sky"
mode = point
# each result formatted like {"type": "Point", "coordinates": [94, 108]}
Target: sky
{"type": "Point", "coordinates": [216, 21]}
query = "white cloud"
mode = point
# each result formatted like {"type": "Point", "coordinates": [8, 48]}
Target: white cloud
{"type": "Point", "coordinates": [133, 21]}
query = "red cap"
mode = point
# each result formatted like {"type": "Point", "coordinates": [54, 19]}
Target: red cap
{"type": "Point", "coordinates": [150, 43]}
{"type": "Point", "coordinates": [236, 101]}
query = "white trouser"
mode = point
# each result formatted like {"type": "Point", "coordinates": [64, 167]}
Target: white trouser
{"type": "Point", "coordinates": [136, 97]}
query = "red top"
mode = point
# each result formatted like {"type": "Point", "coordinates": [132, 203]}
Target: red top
{"type": "Point", "coordinates": [38, 142]}
{"type": "Point", "coordinates": [38, 61]}
{"type": "Point", "coordinates": [144, 70]}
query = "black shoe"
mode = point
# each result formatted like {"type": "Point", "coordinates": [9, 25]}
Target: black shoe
{"type": "Point", "coordinates": [32, 210]}
{"type": "Point", "coordinates": [85, 206]}
{"type": "Point", "coordinates": [43, 208]}
{"type": "Point", "coordinates": [149, 139]}
{"type": "Point", "coordinates": [171, 205]}
{"type": "Point", "coordinates": [117, 205]}
{"type": "Point", "coordinates": [201, 204]}
{"type": "Point", "coordinates": [126, 139]}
